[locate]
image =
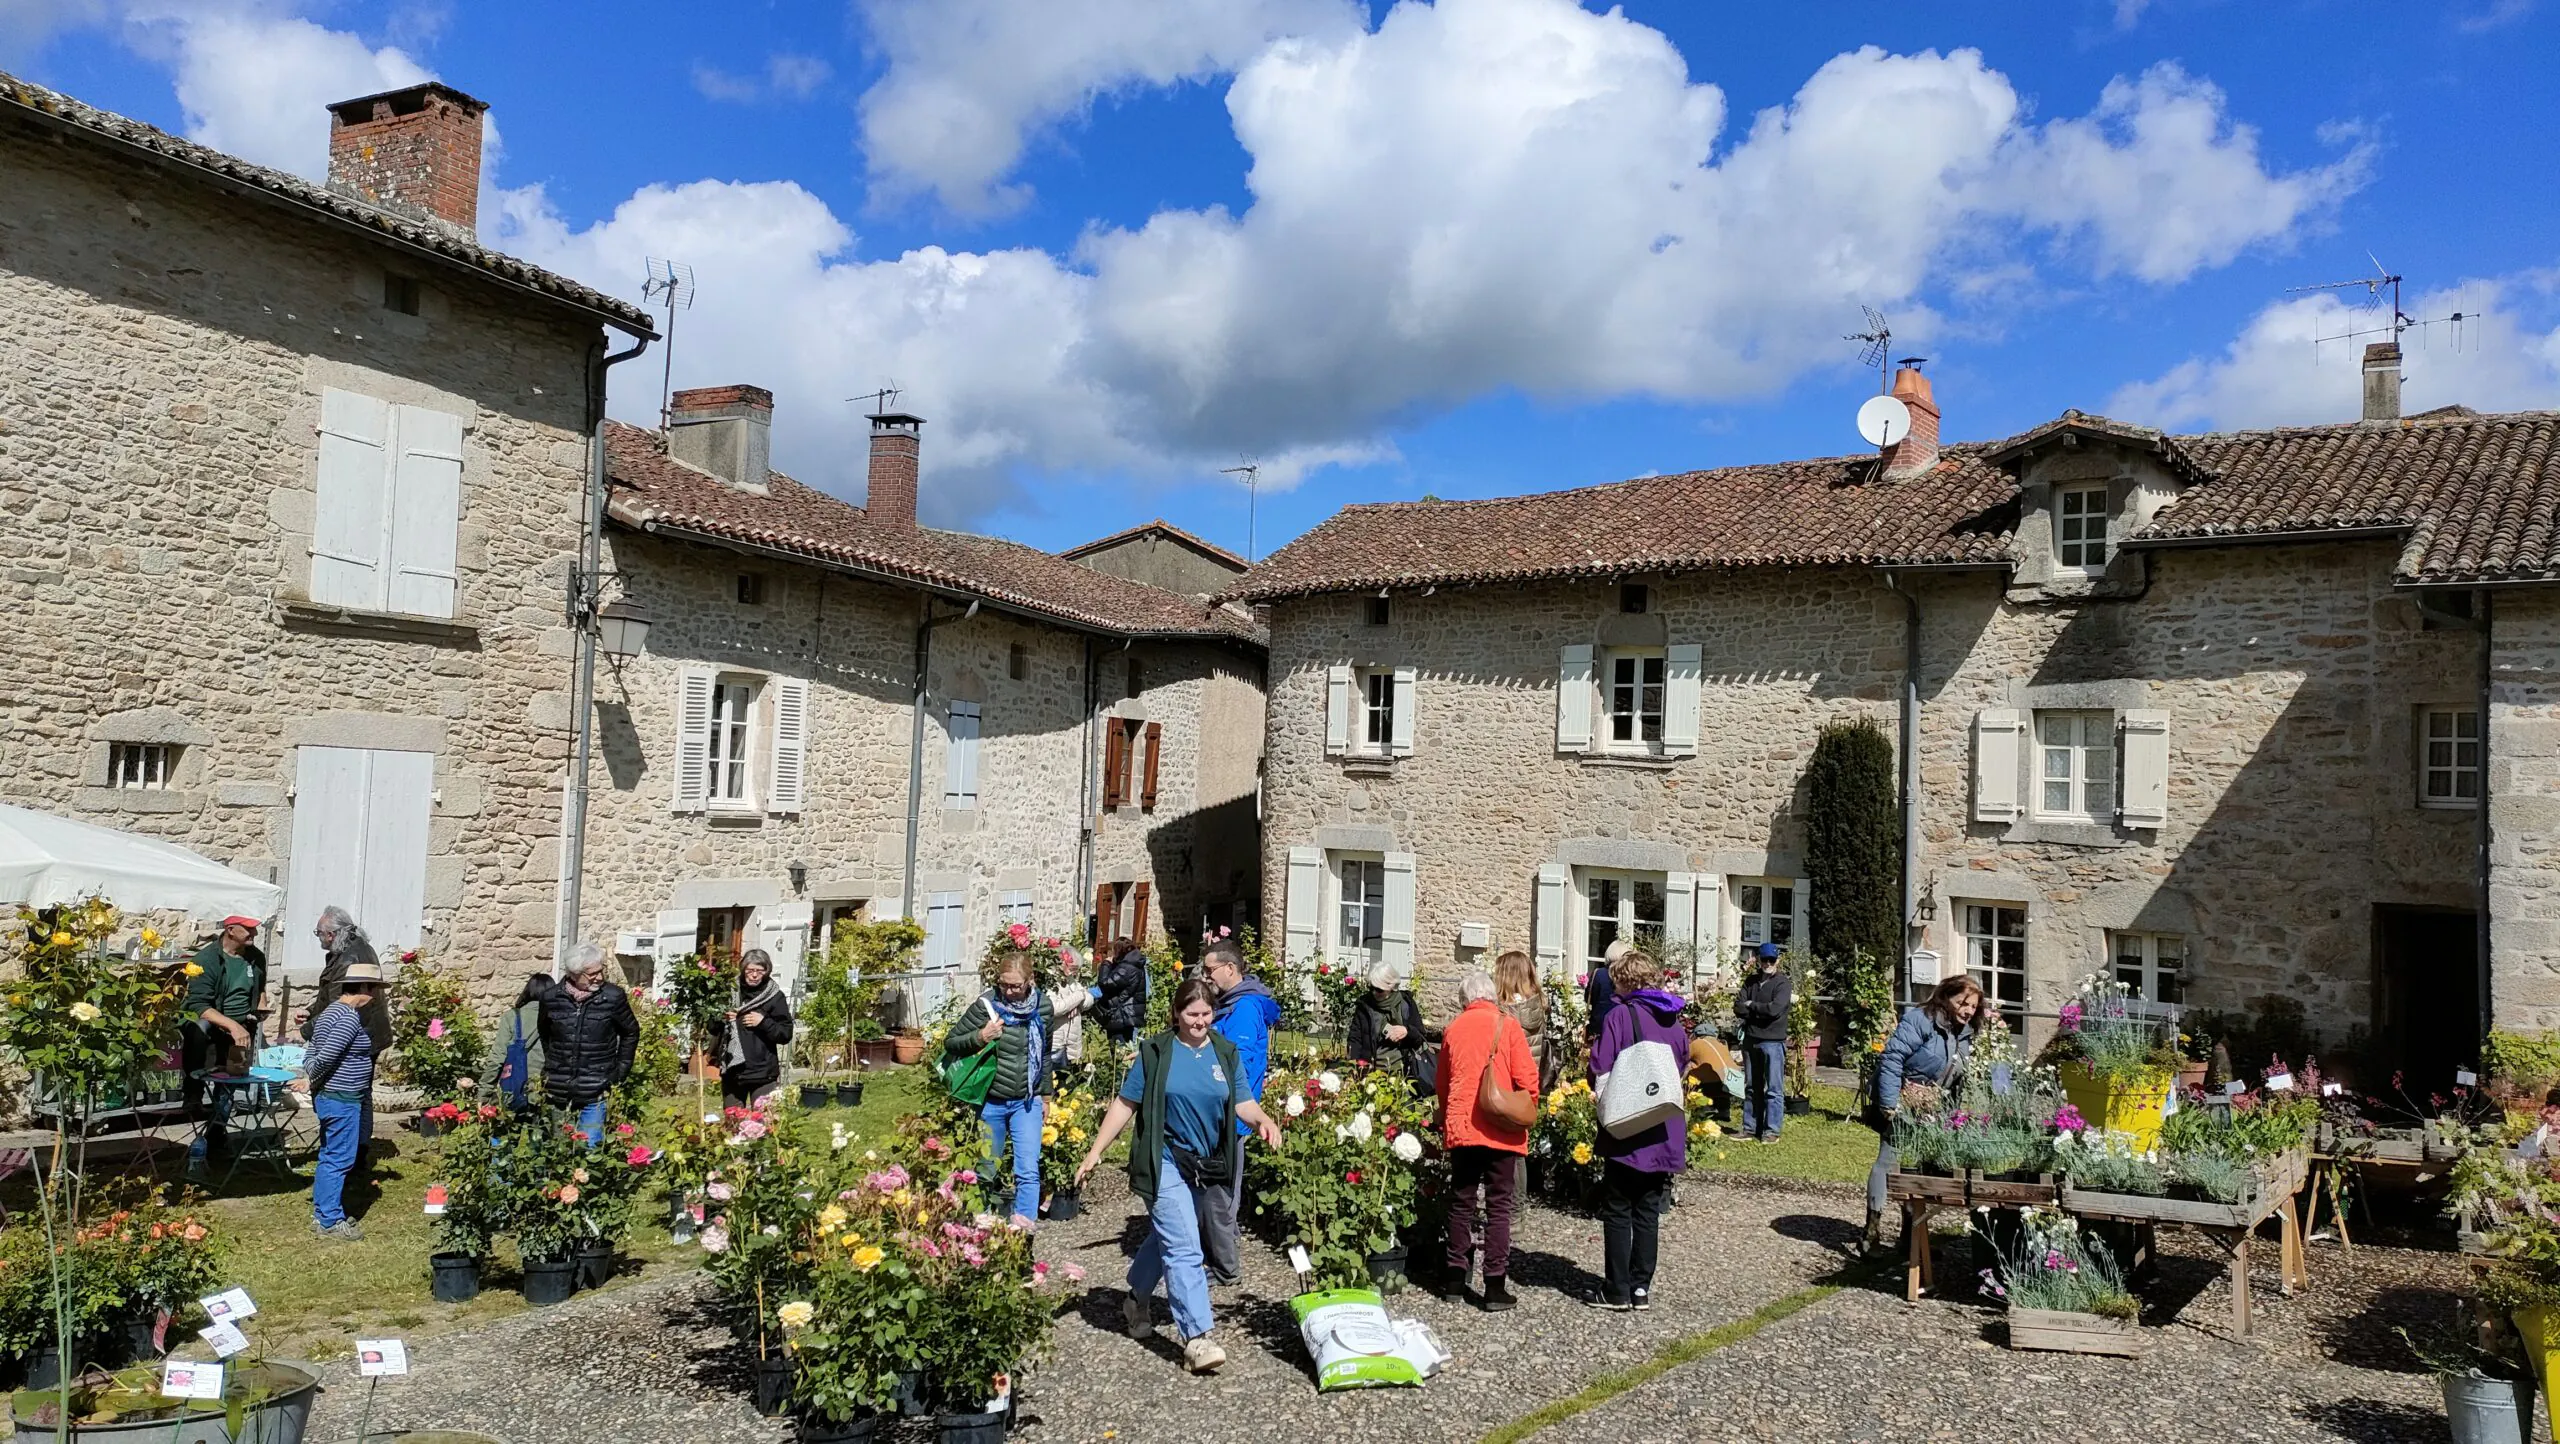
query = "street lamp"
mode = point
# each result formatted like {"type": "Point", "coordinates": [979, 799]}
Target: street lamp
{"type": "Point", "coordinates": [622, 629]}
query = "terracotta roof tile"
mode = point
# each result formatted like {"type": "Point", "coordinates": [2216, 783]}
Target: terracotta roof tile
{"type": "Point", "coordinates": [654, 492]}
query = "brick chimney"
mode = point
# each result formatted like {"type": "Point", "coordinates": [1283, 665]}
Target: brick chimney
{"type": "Point", "coordinates": [724, 430]}
{"type": "Point", "coordinates": [414, 152]}
{"type": "Point", "coordinates": [1918, 451]}
{"type": "Point", "coordinates": [2382, 384]}
{"type": "Point", "coordinates": [895, 439]}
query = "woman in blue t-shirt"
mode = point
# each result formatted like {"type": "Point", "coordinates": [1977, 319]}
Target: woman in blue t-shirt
{"type": "Point", "coordinates": [1185, 1090]}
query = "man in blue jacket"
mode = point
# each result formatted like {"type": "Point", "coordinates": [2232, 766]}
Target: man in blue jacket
{"type": "Point", "coordinates": [1247, 1014]}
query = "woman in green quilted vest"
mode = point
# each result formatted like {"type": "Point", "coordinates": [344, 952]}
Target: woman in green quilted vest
{"type": "Point", "coordinates": [1000, 1044]}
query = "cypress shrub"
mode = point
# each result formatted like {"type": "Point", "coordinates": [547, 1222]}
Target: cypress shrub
{"type": "Point", "coordinates": [1853, 860]}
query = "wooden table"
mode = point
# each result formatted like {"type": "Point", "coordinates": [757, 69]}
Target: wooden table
{"type": "Point", "coordinates": [1924, 1194]}
{"type": "Point", "coordinates": [2233, 1225]}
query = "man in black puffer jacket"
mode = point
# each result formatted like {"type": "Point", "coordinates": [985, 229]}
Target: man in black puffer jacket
{"type": "Point", "coordinates": [1120, 993]}
{"type": "Point", "coordinates": [589, 1035]}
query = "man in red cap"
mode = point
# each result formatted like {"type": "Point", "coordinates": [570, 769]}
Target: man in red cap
{"type": "Point", "coordinates": [226, 987]}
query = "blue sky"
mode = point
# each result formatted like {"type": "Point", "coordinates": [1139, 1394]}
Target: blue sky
{"type": "Point", "coordinates": [1481, 247]}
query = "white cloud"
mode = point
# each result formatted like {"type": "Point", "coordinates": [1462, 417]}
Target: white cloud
{"type": "Point", "coordinates": [27, 25]}
{"type": "Point", "coordinates": [253, 80]}
{"type": "Point", "coordinates": [970, 82]}
{"type": "Point", "coordinates": [2505, 356]}
{"type": "Point", "coordinates": [786, 76]}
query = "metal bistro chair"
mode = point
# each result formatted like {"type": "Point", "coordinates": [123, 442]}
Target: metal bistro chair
{"type": "Point", "coordinates": [262, 1112]}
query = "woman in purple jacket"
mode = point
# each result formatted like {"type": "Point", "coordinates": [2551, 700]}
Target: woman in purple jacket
{"type": "Point", "coordinates": [1635, 1179]}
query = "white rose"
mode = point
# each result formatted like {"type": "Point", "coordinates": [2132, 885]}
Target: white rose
{"type": "Point", "coordinates": [1296, 1106]}
{"type": "Point", "coordinates": [1329, 1081]}
{"type": "Point", "coordinates": [1361, 1127]}
{"type": "Point", "coordinates": [1408, 1148]}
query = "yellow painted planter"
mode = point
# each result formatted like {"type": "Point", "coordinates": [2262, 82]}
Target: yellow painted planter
{"type": "Point", "coordinates": [2539, 1329]}
{"type": "Point", "coordinates": [2129, 1107]}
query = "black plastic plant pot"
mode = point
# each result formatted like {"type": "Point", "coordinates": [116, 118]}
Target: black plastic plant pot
{"type": "Point", "coordinates": [596, 1261]}
{"type": "Point", "coordinates": [816, 1095]}
{"type": "Point", "coordinates": [1386, 1268]}
{"type": "Point", "coordinates": [456, 1279]}
{"type": "Point", "coordinates": [138, 1341]}
{"type": "Point", "coordinates": [773, 1385]}
{"type": "Point", "coordinates": [1798, 1107]}
{"type": "Point", "coordinates": [429, 1128]}
{"type": "Point", "coordinates": [833, 1431]}
{"type": "Point", "coordinates": [972, 1428]}
{"type": "Point", "coordinates": [44, 1368]}
{"type": "Point", "coordinates": [910, 1396]}
{"type": "Point", "coordinates": [849, 1094]}
{"type": "Point", "coordinates": [1065, 1206]}
{"type": "Point", "coordinates": [549, 1280]}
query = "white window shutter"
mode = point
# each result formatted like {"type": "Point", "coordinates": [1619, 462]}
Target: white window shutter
{"type": "Point", "coordinates": [1395, 932]}
{"type": "Point", "coordinates": [1337, 709]}
{"type": "Point", "coordinates": [1305, 904]}
{"type": "Point", "coordinates": [691, 787]}
{"type": "Point", "coordinates": [782, 930]}
{"type": "Point", "coordinates": [1679, 915]}
{"type": "Point", "coordinates": [960, 756]}
{"type": "Point", "coordinates": [1573, 701]}
{"type": "Point", "coordinates": [350, 519]}
{"type": "Point", "coordinates": [330, 792]}
{"type": "Point", "coordinates": [2146, 769]}
{"type": "Point", "coordinates": [1996, 736]}
{"type": "Point", "coordinates": [1683, 673]}
{"type": "Point", "coordinates": [1401, 743]}
{"type": "Point", "coordinates": [1555, 886]}
{"type": "Point", "coordinates": [1710, 916]}
{"type": "Point", "coordinates": [426, 510]}
{"type": "Point", "coordinates": [790, 790]}
{"type": "Point", "coordinates": [399, 802]}
{"type": "Point", "coordinates": [675, 934]}
{"type": "Point", "coordinates": [1800, 935]}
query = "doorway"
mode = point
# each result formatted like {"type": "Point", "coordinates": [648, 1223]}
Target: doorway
{"type": "Point", "coordinates": [722, 928]}
{"type": "Point", "coordinates": [2427, 1004]}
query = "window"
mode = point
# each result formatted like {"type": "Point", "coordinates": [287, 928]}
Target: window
{"type": "Point", "coordinates": [388, 506]}
{"type": "Point", "coordinates": [1620, 905]}
{"type": "Point", "coordinates": [960, 763]}
{"type": "Point", "coordinates": [751, 589]}
{"type": "Point", "coordinates": [1137, 677]}
{"type": "Point", "coordinates": [400, 293]}
{"type": "Point", "coordinates": [1122, 738]}
{"type": "Point", "coordinates": [1634, 699]}
{"type": "Point", "coordinates": [2153, 965]}
{"type": "Point", "coordinates": [1377, 611]}
{"type": "Point", "coordinates": [1362, 892]}
{"type": "Point", "coordinates": [2080, 527]}
{"type": "Point", "coordinates": [1377, 711]}
{"type": "Point", "coordinates": [1995, 952]}
{"type": "Point", "coordinates": [1017, 661]}
{"type": "Point", "coordinates": [1765, 912]}
{"type": "Point", "coordinates": [2076, 766]}
{"type": "Point", "coordinates": [140, 764]}
{"type": "Point", "coordinates": [1013, 907]}
{"type": "Point", "coordinates": [2448, 759]}
{"type": "Point", "coordinates": [726, 779]}
{"type": "Point", "coordinates": [1632, 597]}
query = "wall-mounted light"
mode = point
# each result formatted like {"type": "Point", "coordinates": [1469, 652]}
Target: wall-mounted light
{"type": "Point", "coordinates": [622, 629]}
{"type": "Point", "coordinates": [799, 875]}
{"type": "Point", "coordinates": [1926, 910]}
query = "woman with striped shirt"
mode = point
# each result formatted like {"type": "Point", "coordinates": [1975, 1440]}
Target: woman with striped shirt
{"type": "Point", "coordinates": [339, 1065]}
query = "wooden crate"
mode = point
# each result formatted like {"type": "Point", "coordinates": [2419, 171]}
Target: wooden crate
{"type": "Point", "coordinates": [2012, 1193]}
{"type": "Point", "coordinates": [1925, 1187]}
{"type": "Point", "coordinates": [2057, 1332]}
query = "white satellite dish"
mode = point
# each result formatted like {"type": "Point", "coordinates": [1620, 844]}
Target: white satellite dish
{"type": "Point", "coordinates": [1884, 420]}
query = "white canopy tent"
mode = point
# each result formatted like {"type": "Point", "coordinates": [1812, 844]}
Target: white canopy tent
{"type": "Point", "coordinates": [47, 860]}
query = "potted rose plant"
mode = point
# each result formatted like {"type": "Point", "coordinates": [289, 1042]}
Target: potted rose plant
{"type": "Point", "coordinates": [473, 1200]}
{"type": "Point", "coordinates": [1346, 1178]}
{"type": "Point", "coordinates": [436, 1040]}
{"type": "Point", "coordinates": [541, 1165]}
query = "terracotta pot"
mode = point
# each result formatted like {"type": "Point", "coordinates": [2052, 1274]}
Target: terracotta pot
{"type": "Point", "coordinates": [702, 1067]}
{"type": "Point", "coordinates": [876, 1052]}
{"type": "Point", "coordinates": [909, 1047]}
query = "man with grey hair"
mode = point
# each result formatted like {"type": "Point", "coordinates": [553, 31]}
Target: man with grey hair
{"type": "Point", "coordinates": [589, 1035]}
{"type": "Point", "coordinates": [343, 944]}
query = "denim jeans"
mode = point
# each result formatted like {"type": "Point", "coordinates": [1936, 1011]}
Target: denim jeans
{"type": "Point", "coordinates": [217, 1112]}
{"type": "Point", "coordinates": [1886, 1162]}
{"type": "Point", "coordinates": [1764, 1097]}
{"type": "Point", "coordinates": [344, 1122]}
{"type": "Point", "coordinates": [591, 1122]}
{"type": "Point", "coordinates": [1013, 1128]}
{"type": "Point", "coordinates": [1172, 1253]}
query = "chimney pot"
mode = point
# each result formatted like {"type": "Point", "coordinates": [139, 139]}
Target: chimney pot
{"type": "Point", "coordinates": [2382, 384]}
{"type": "Point", "coordinates": [414, 152]}
{"type": "Point", "coordinates": [724, 430]}
{"type": "Point", "coordinates": [1918, 451]}
{"type": "Point", "coordinates": [896, 438]}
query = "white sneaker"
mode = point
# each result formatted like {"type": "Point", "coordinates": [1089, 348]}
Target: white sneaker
{"type": "Point", "coordinates": [1140, 1317]}
{"type": "Point", "coordinates": [1201, 1356]}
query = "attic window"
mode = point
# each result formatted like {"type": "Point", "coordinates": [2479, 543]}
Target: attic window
{"type": "Point", "coordinates": [1633, 597]}
{"type": "Point", "coordinates": [1137, 677]}
{"type": "Point", "coordinates": [2080, 528]}
{"type": "Point", "coordinates": [751, 589]}
{"type": "Point", "coordinates": [1017, 662]}
{"type": "Point", "coordinates": [400, 293]}
{"type": "Point", "coordinates": [1377, 611]}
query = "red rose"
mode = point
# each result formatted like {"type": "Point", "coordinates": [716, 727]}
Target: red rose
{"type": "Point", "coordinates": [1391, 1130]}
{"type": "Point", "coordinates": [1352, 1178]}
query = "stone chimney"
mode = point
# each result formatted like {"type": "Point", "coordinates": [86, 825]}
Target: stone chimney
{"type": "Point", "coordinates": [2382, 384]}
{"type": "Point", "coordinates": [895, 440]}
{"type": "Point", "coordinates": [1918, 451]}
{"type": "Point", "coordinates": [724, 430]}
{"type": "Point", "coordinates": [414, 152]}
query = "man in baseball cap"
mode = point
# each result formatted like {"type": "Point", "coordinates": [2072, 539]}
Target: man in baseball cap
{"type": "Point", "coordinates": [226, 990]}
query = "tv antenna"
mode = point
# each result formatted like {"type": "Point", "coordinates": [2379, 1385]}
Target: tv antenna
{"type": "Point", "coordinates": [1879, 339]}
{"type": "Point", "coordinates": [880, 400]}
{"type": "Point", "coordinates": [2383, 279]}
{"type": "Point", "coordinates": [670, 284]}
{"type": "Point", "coordinates": [1251, 471]}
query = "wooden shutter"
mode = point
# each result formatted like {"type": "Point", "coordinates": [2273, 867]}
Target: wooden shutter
{"type": "Point", "coordinates": [1996, 738]}
{"type": "Point", "coordinates": [1138, 895]}
{"type": "Point", "coordinates": [1800, 934]}
{"type": "Point", "coordinates": [400, 789]}
{"type": "Point", "coordinates": [1395, 933]}
{"type": "Point", "coordinates": [1679, 914]}
{"type": "Point", "coordinates": [1683, 667]}
{"type": "Point", "coordinates": [1106, 929]}
{"type": "Point", "coordinates": [1710, 934]}
{"type": "Point", "coordinates": [675, 933]}
{"type": "Point", "coordinates": [1304, 903]}
{"type": "Point", "coordinates": [1338, 702]}
{"type": "Point", "coordinates": [426, 510]}
{"type": "Point", "coordinates": [691, 787]}
{"type": "Point", "coordinates": [782, 930]}
{"type": "Point", "coordinates": [1155, 754]}
{"type": "Point", "coordinates": [960, 756]}
{"type": "Point", "coordinates": [350, 518]}
{"type": "Point", "coordinates": [1573, 700]}
{"type": "Point", "coordinates": [790, 788]}
{"type": "Point", "coordinates": [1401, 735]}
{"type": "Point", "coordinates": [1115, 763]}
{"type": "Point", "coordinates": [2146, 769]}
{"type": "Point", "coordinates": [328, 846]}
{"type": "Point", "coordinates": [1555, 884]}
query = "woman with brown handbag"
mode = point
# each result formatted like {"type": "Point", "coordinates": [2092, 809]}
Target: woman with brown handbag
{"type": "Point", "coordinates": [1488, 1098]}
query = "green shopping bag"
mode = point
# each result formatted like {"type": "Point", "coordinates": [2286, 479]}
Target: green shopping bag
{"type": "Point", "coordinates": [972, 1074]}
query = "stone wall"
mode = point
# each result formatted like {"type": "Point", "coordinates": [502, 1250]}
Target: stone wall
{"type": "Point", "coordinates": [163, 348]}
{"type": "Point", "coordinates": [2524, 809]}
{"type": "Point", "coordinates": [1199, 850]}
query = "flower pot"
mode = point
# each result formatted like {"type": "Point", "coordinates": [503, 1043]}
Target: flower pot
{"type": "Point", "coordinates": [2191, 1074]}
{"type": "Point", "coordinates": [2483, 1410]}
{"type": "Point", "coordinates": [849, 1095]}
{"type": "Point", "coordinates": [816, 1095]}
{"type": "Point", "coordinates": [2126, 1105]}
{"type": "Point", "coordinates": [858, 1430]}
{"type": "Point", "coordinates": [2538, 1328]}
{"type": "Point", "coordinates": [774, 1377]}
{"type": "Point", "coordinates": [1800, 1106]}
{"type": "Point", "coordinates": [907, 1047]}
{"type": "Point", "coordinates": [1386, 1268]}
{"type": "Point", "coordinates": [909, 1396]}
{"type": "Point", "coordinates": [457, 1277]}
{"type": "Point", "coordinates": [701, 1066]}
{"type": "Point", "coordinates": [429, 1127]}
{"type": "Point", "coordinates": [549, 1280]}
{"type": "Point", "coordinates": [1065, 1206]}
{"type": "Point", "coordinates": [875, 1052]}
{"type": "Point", "coordinates": [141, 1337]}
{"type": "Point", "coordinates": [972, 1428]}
{"type": "Point", "coordinates": [596, 1260]}
{"type": "Point", "coordinates": [280, 1418]}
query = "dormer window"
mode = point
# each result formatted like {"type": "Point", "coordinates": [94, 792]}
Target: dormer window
{"type": "Point", "coordinates": [2080, 528]}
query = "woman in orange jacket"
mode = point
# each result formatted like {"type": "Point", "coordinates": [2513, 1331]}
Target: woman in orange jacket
{"type": "Point", "coordinates": [1484, 1149]}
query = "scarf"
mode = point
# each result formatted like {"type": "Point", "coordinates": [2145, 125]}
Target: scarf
{"type": "Point", "coordinates": [1027, 1017]}
{"type": "Point", "coordinates": [765, 996]}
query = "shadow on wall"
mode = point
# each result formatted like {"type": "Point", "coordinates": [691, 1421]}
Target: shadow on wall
{"type": "Point", "coordinates": [1204, 865]}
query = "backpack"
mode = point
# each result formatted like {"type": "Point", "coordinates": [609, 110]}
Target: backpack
{"type": "Point", "coordinates": [1642, 1088]}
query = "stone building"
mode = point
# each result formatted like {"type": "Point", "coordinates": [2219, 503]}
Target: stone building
{"type": "Point", "coordinates": [841, 714]}
{"type": "Point", "coordinates": [292, 479]}
{"type": "Point", "coordinates": [1163, 555]}
{"type": "Point", "coordinates": [2203, 712]}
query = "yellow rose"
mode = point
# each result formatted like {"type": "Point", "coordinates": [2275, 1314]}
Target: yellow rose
{"type": "Point", "coordinates": [831, 1218]}
{"type": "Point", "coordinates": [84, 1011]}
{"type": "Point", "coordinates": [195, 970]}
{"type": "Point", "coordinates": [1048, 1138]}
{"type": "Point", "coordinates": [867, 1258]}
{"type": "Point", "coordinates": [797, 1314]}
{"type": "Point", "coordinates": [151, 937]}
{"type": "Point", "coordinates": [62, 940]}
{"type": "Point", "coordinates": [1582, 1153]}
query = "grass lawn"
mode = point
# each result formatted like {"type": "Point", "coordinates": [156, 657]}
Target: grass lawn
{"type": "Point", "coordinates": [1828, 1144]}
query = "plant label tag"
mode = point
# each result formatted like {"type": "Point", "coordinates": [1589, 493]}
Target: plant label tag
{"type": "Point", "coordinates": [1298, 1259]}
{"type": "Point", "coordinates": [2279, 1082]}
{"type": "Point", "coordinates": [2332, 1090]}
{"type": "Point", "coordinates": [2465, 1077]}
{"type": "Point", "coordinates": [436, 1197]}
{"type": "Point", "coordinates": [187, 1379]}
{"type": "Point", "coordinates": [231, 1304]}
{"type": "Point", "coordinates": [225, 1338]}
{"type": "Point", "coordinates": [2234, 1088]}
{"type": "Point", "coordinates": [381, 1358]}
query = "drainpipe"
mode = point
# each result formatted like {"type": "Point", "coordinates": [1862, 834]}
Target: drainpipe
{"type": "Point", "coordinates": [915, 744]}
{"type": "Point", "coordinates": [2480, 608]}
{"type": "Point", "coordinates": [1085, 806]}
{"type": "Point", "coordinates": [1910, 760]}
{"type": "Point", "coordinates": [582, 615]}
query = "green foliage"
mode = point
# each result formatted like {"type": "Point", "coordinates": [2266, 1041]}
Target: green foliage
{"type": "Point", "coordinates": [466, 1167]}
{"type": "Point", "coordinates": [657, 1064]}
{"type": "Point", "coordinates": [844, 1008]}
{"type": "Point", "coordinates": [2526, 1064]}
{"type": "Point", "coordinates": [2103, 1029]}
{"type": "Point", "coordinates": [2053, 1264]}
{"type": "Point", "coordinates": [1853, 862]}
{"type": "Point", "coordinates": [2106, 1163]}
{"type": "Point", "coordinates": [1338, 990]}
{"type": "Point", "coordinates": [1567, 1134]}
{"type": "Point", "coordinates": [1349, 1170]}
{"type": "Point", "coordinates": [1861, 988]}
{"type": "Point", "coordinates": [701, 989]}
{"type": "Point", "coordinates": [2274, 1026]}
{"type": "Point", "coordinates": [83, 1017]}
{"type": "Point", "coordinates": [536, 1165]}
{"type": "Point", "coordinates": [436, 1039]}
{"type": "Point", "coordinates": [1164, 974]}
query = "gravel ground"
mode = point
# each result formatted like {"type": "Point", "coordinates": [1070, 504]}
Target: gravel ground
{"type": "Point", "coordinates": [644, 1365]}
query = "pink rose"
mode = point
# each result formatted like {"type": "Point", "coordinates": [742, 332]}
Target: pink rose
{"type": "Point", "coordinates": [435, 1027]}
{"type": "Point", "coordinates": [1019, 934]}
